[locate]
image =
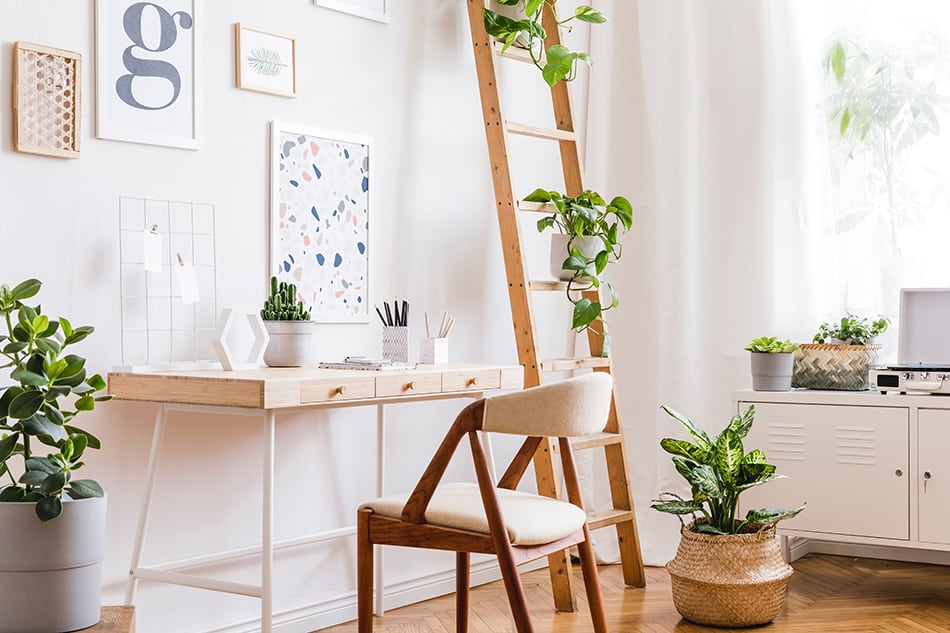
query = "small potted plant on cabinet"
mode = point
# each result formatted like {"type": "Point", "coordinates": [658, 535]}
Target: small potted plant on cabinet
{"type": "Point", "coordinates": [587, 239]}
{"type": "Point", "coordinates": [840, 355]}
{"type": "Point", "coordinates": [288, 323]}
{"type": "Point", "coordinates": [53, 525]}
{"type": "Point", "coordinates": [727, 571]}
{"type": "Point", "coordinates": [772, 363]}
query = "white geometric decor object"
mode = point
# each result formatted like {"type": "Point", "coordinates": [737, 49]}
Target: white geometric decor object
{"type": "Point", "coordinates": [255, 357]}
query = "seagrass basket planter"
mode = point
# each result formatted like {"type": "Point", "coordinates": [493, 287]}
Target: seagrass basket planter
{"type": "Point", "coordinates": [729, 580]}
{"type": "Point", "coordinates": [833, 367]}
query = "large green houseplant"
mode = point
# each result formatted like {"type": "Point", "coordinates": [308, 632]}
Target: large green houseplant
{"type": "Point", "coordinates": [50, 387]}
{"type": "Point", "coordinates": [728, 570]}
{"type": "Point", "coordinates": [587, 219]}
{"type": "Point", "coordinates": [51, 569]}
{"type": "Point", "coordinates": [556, 62]}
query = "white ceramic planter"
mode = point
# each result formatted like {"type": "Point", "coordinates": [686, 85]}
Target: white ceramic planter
{"type": "Point", "coordinates": [772, 372]}
{"type": "Point", "coordinates": [289, 343]}
{"type": "Point", "coordinates": [51, 572]}
{"type": "Point", "coordinates": [589, 246]}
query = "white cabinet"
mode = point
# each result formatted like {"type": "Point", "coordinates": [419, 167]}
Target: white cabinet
{"type": "Point", "coordinates": [933, 475]}
{"type": "Point", "coordinates": [871, 467]}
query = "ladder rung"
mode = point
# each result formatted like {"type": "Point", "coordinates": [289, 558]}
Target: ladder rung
{"type": "Point", "coordinates": [567, 364]}
{"type": "Point", "coordinates": [540, 132]}
{"type": "Point", "coordinates": [595, 440]}
{"type": "Point", "coordinates": [608, 517]}
{"type": "Point", "coordinates": [514, 52]}
{"type": "Point", "coordinates": [547, 286]}
{"type": "Point", "coordinates": [536, 207]}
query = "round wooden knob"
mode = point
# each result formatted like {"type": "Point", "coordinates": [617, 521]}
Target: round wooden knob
{"type": "Point", "coordinates": [473, 381]}
{"type": "Point", "coordinates": [341, 390]}
{"type": "Point", "coordinates": [410, 386]}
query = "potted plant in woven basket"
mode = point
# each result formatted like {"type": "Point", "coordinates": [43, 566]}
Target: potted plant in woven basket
{"type": "Point", "coordinates": [840, 354]}
{"type": "Point", "coordinates": [727, 571]}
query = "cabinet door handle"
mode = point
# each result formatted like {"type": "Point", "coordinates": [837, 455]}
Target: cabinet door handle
{"type": "Point", "coordinates": [927, 477]}
{"type": "Point", "coordinates": [899, 472]}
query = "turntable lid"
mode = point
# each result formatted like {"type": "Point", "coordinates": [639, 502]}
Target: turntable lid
{"type": "Point", "coordinates": [924, 336]}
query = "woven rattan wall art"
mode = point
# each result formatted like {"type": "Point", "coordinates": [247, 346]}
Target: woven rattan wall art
{"type": "Point", "coordinates": [47, 92]}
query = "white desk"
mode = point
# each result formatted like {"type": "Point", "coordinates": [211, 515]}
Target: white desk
{"type": "Point", "coordinates": [264, 393]}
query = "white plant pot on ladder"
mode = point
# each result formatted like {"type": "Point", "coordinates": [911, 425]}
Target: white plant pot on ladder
{"type": "Point", "coordinates": [589, 246]}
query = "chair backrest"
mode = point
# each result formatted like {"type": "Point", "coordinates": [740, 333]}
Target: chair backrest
{"type": "Point", "coordinates": [576, 406]}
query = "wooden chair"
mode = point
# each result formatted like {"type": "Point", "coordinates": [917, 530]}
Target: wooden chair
{"type": "Point", "coordinates": [515, 526]}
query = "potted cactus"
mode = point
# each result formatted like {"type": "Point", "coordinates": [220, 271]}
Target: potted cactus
{"type": "Point", "coordinates": [288, 323]}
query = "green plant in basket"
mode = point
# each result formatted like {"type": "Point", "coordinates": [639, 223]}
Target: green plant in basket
{"type": "Point", "coordinates": [50, 388]}
{"type": "Point", "coordinates": [718, 470]}
{"type": "Point", "coordinates": [770, 345]}
{"type": "Point", "coordinates": [852, 330]}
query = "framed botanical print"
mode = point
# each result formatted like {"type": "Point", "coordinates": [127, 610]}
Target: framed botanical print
{"type": "Point", "coordinates": [264, 61]}
{"type": "Point", "coordinates": [146, 71]}
{"type": "Point", "coordinates": [319, 228]}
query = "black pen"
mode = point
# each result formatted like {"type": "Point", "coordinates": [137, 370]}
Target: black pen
{"type": "Point", "coordinates": [396, 312]}
{"type": "Point", "coordinates": [405, 313]}
{"type": "Point", "coordinates": [389, 315]}
{"type": "Point", "coordinates": [381, 318]}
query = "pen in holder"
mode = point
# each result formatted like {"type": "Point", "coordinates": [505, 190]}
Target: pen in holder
{"type": "Point", "coordinates": [434, 351]}
{"type": "Point", "coordinates": [396, 343]}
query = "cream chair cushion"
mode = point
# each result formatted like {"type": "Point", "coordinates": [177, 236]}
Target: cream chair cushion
{"type": "Point", "coordinates": [577, 406]}
{"type": "Point", "coordinates": [530, 519]}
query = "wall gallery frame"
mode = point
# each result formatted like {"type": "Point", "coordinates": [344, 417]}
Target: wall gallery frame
{"type": "Point", "coordinates": [147, 72]}
{"type": "Point", "coordinates": [319, 228]}
{"type": "Point", "coordinates": [264, 61]}
{"type": "Point", "coordinates": [377, 10]}
{"type": "Point", "coordinates": [47, 94]}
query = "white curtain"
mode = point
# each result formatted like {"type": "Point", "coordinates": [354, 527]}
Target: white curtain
{"type": "Point", "coordinates": [704, 115]}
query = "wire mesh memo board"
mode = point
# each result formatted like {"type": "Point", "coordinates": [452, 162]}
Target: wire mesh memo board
{"type": "Point", "coordinates": [168, 284]}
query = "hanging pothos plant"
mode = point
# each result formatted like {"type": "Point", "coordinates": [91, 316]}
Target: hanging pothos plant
{"type": "Point", "coordinates": [557, 62]}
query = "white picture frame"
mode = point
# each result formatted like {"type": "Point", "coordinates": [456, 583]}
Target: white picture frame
{"type": "Point", "coordinates": [147, 72]}
{"type": "Point", "coordinates": [321, 184]}
{"type": "Point", "coordinates": [376, 10]}
{"type": "Point", "coordinates": [265, 61]}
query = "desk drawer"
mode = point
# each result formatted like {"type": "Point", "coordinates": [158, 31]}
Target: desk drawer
{"type": "Point", "coordinates": [408, 385]}
{"type": "Point", "coordinates": [471, 380]}
{"type": "Point", "coordinates": [330, 390]}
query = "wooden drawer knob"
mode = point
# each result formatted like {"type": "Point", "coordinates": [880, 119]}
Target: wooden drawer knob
{"type": "Point", "coordinates": [473, 381]}
{"type": "Point", "coordinates": [410, 386]}
{"type": "Point", "coordinates": [341, 390]}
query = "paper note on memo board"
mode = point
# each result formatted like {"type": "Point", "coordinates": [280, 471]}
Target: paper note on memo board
{"type": "Point", "coordinates": [166, 325]}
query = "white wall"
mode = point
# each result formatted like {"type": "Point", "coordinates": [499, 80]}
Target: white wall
{"type": "Point", "coordinates": [434, 239]}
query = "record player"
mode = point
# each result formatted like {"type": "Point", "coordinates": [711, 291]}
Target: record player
{"type": "Point", "coordinates": [923, 357]}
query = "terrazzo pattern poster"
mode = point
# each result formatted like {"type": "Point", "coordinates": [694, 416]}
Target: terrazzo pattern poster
{"type": "Point", "coordinates": [320, 219]}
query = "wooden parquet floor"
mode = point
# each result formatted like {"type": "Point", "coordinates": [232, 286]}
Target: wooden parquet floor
{"type": "Point", "coordinates": [826, 594]}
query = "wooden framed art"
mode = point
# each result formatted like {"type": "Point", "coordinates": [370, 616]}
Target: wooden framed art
{"type": "Point", "coordinates": [147, 71]}
{"type": "Point", "coordinates": [319, 225]}
{"type": "Point", "coordinates": [264, 61]}
{"type": "Point", "coordinates": [377, 10]}
{"type": "Point", "coordinates": [47, 94]}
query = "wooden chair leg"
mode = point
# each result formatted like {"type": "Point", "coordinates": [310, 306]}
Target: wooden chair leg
{"type": "Point", "coordinates": [462, 565]}
{"type": "Point", "coordinates": [364, 573]}
{"type": "Point", "coordinates": [515, 591]}
{"type": "Point", "coordinates": [592, 583]}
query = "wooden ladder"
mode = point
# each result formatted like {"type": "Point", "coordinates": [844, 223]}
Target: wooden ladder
{"type": "Point", "coordinates": [497, 129]}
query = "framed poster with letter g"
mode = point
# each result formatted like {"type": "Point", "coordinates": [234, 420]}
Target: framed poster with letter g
{"type": "Point", "coordinates": [146, 71]}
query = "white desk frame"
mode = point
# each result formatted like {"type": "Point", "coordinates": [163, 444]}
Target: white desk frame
{"type": "Point", "coordinates": [167, 571]}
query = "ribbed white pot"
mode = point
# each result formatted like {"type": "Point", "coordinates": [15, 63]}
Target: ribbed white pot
{"type": "Point", "coordinates": [771, 372]}
{"type": "Point", "coordinates": [51, 572]}
{"type": "Point", "coordinates": [589, 246]}
{"type": "Point", "coordinates": [289, 344]}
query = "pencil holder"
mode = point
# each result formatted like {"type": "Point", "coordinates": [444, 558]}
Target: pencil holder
{"type": "Point", "coordinates": [434, 351]}
{"type": "Point", "coordinates": [396, 343]}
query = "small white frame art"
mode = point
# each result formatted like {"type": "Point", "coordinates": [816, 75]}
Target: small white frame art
{"type": "Point", "coordinates": [265, 61]}
{"type": "Point", "coordinates": [319, 228]}
{"type": "Point", "coordinates": [377, 10]}
{"type": "Point", "coordinates": [147, 72]}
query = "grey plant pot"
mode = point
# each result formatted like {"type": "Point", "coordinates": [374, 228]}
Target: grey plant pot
{"type": "Point", "coordinates": [51, 572]}
{"type": "Point", "coordinates": [589, 246]}
{"type": "Point", "coordinates": [771, 372]}
{"type": "Point", "coordinates": [289, 343]}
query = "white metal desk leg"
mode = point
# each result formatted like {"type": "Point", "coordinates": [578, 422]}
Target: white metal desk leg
{"type": "Point", "coordinates": [267, 531]}
{"type": "Point", "coordinates": [380, 491]}
{"type": "Point", "coordinates": [151, 470]}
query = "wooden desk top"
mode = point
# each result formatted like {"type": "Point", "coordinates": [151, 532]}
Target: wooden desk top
{"type": "Point", "coordinates": [288, 387]}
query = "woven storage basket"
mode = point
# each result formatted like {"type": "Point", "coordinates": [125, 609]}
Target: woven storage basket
{"type": "Point", "coordinates": [835, 367]}
{"type": "Point", "coordinates": [729, 580]}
